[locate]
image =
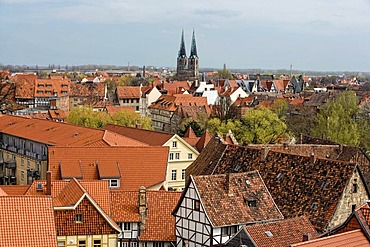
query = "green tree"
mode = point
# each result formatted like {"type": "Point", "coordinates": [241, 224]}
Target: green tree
{"type": "Point", "coordinates": [131, 119]}
{"type": "Point", "coordinates": [262, 126]}
{"type": "Point", "coordinates": [336, 120]}
{"type": "Point", "coordinates": [85, 116]}
{"type": "Point", "coordinates": [224, 74]}
{"type": "Point", "coordinates": [195, 126]}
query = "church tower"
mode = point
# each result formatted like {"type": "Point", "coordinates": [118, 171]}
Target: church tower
{"type": "Point", "coordinates": [193, 64]}
{"type": "Point", "coordinates": [182, 60]}
{"type": "Point", "coordinates": [187, 68]}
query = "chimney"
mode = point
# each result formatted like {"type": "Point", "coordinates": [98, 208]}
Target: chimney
{"type": "Point", "coordinates": [228, 183]}
{"type": "Point", "coordinates": [306, 237]}
{"type": "Point", "coordinates": [48, 182]}
{"type": "Point", "coordinates": [264, 153]}
{"type": "Point", "coordinates": [142, 206]}
{"type": "Point", "coordinates": [144, 71]}
{"type": "Point", "coordinates": [138, 126]}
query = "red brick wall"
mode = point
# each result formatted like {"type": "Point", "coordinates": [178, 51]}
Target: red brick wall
{"type": "Point", "coordinates": [93, 222]}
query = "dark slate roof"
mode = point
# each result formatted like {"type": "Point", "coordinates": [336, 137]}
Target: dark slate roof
{"type": "Point", "coordinates": [295, 181]}
{"type": "Point", "coordinates": [225, 198]}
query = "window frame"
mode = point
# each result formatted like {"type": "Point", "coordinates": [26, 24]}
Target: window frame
{"type": "Point", "coordinates": [173, 175]}
{"type": "Point", "coordinates": [174, 144]}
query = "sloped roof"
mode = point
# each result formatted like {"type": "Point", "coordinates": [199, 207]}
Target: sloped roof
{"type": "Point", "coordinates": [150, 137]}
{"type": "Point", "coordinates": [87, 89]}
{"type": "Point", "coordinates": [283, 232]}
{"type": "Point", "coordinates": [60, 134]}
{"type": "Point", "coordinates": [225, 198]}
{"type": "Point", "coordinates": [135, 170]}
{"type": "Point", "coordinates": [171, 102]}
{"type": "Point", "coordinates": [203, 141]}
{"type": "Point", "coordinates": [111, 110]}
{"type": "Point", "coordinates": [14, 190]}
{"type": "Point", "coordinates": [3, 193]}
{"type": "Point", "coordinates": [27, 221]}
{"type": "Point", "coordinates": [160, 224]}
{"type": "Point", "coordinates": [51, 87]}
{"type": "Point", "coordinates": [355, 238]}
{"type": "Point", "coordinates": [97, 189]}
{"type": "Point", "coordinates": [70, 194]}
{"type": "Point", "coordinates": [25, 84]}
{"type": "Point", "coordinates": [295, 181]}
{"type": "Point", "coordinates": [126, 92]}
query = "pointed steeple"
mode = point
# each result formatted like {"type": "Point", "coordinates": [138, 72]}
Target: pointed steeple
{"type": "Point", "coordinates": [182, 51]}
{"type": "Point", "coordinates": [193, 52]}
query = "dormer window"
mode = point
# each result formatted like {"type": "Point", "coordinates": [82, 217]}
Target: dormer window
{"type": "Point", "coordinates": [114, 183]}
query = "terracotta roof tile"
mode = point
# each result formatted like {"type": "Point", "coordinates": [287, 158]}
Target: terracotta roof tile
{"type": "Point", "coordinates": [25, 84]}
{"type": "Point", "coordinates": [51, 87]}
{"type": "Point", "coordinates": [150, 137]}
{"type": "Point", "coordinates": [126, 92]}
{"type": "Point", "coordinates": [355, 238]}
{"type": "Point", "coordinates": [226, 198]}
{"type": "Point", "coordinates": [14, 190]}
{"type": "Point", "coordinates": [70, 194]}
{"type": "Point", "coordinates": [27, 221]}
{"type": "Point", "coordinates": [283, 233]}
{"type": "Point", "coordinates": [136, 171]}
{"type": "Point", "coordinates": [97, 189]}
{"type": "Point", "coordinates": [160, 224]}
{"type": "Point", "coordinates": [282, 174]}
{"type": "Point", "coordinates": [61, 134]}
{"type": "Point", "coordinates": [87, 89]}
{"type": "Point", "coordinates": [106, 172]}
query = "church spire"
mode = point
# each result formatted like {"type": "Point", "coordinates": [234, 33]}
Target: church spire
{"type": "Point", "coordinates": [182, 51]}
{"type": "Point", "coordinates": [193, 52]}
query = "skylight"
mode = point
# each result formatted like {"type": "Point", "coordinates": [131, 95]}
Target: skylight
{"type": "Point", "coordinates": [269, 234]}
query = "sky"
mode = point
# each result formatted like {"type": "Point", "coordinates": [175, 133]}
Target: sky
{"type": "Point", "coordinates": [321, 35]}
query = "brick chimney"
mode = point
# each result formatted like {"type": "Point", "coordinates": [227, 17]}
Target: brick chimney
{"type": "Point", "coordinates": [312, 158]}
{"type": "Point", "coordinates": [48, 182]}
{"type": "Point", "coordinates": [228, 183]}
{"type": "Point", "coordinates": [142, 206]}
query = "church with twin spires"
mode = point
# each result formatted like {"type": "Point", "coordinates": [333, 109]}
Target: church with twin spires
{"type": "Point", "coordinates": [187, 67]}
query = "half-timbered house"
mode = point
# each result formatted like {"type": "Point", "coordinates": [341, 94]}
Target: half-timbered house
{"type": "Point", "coordinates": [213, 208]}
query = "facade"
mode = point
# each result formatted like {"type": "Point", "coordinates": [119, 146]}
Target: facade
{"type": "Point", "coordinates": [49, 89]}
{"type": "Point", "coordinates": [213, 208]}
{"type": "Point", "coordinates": [181, 154]}
{"type": "Point", "coordinates": [148, 95]}
{"type": "Point", "coordinates": [187, 67]}
{"type": "Point", "coordinates": [80, 92]}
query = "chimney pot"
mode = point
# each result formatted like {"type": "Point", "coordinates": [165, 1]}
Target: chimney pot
{"type": "Point", "coordinates": [142, 206]}
{"type": "Point", "coordinates": [306, 237]}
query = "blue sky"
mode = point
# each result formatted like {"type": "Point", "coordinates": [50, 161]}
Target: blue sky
{"type": "Point", "coordinates": [309, 34]}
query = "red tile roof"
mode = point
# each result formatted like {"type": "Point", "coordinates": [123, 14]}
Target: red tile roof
{"type": "Point", "coordinates": [86, 89]}
{"type": "Point", "coordinates": [14, 190]}
{"type": "Point", "coordinates": [98, 190]}
{"type": "Point", "coordinates": [126, 92]}
{"type": "Point", "coordinates": [150, 137]}
{"type": "Point", "coordinates": [51, 87]}
{"type": "Point", "coordinates": [226, 202]}
{"type": "Point", "coordinates": [355, 238]}
{"type": "Point", "coordinates": [135, 169]}
{"type": "Point", "coordinates": [27, 221]}
{"type": "Point", "coordinates": [61, 134]}
{"type": "Point", "coordinates": [283, 232]}
{"type": "Point", "coordinates": [114, 109]}
{"type": "Point", "coordinates": [70, 194]}
{"type": "Point", "coordinates": [25, 84]}
{"type": "Point", "coordinates": [160, 224]}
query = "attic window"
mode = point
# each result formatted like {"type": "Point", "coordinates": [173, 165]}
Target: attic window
{"type": "Point", "coordinates": [279, 176]}
{"type": "Point", "coordinates": [196, 205]}
{"type": "Point", "coordinates": [354, 188]}
{"type": "Point", "coordinates": [269, 234]}
{"type": "Point", "coordinates": [252, 203]}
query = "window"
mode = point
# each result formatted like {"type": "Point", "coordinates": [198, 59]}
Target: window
{"type": "Point", "coordinates": [190, 156]}
{"type": "Point", "coordinates": [177, 156]}
{"type": "Point", "coordinates": [171, 156]}
{"type": "Point", "coordinates": [174, 144]}
{"type": "Point", "coordinates": [183, 174]}
{"type": "Point", "coordinates": [81, 243]}
{"type": "Point", "coordinates": [252, 203]}
{"type": "Point", "coordinates": [313, 206]}
{"type": "Point", "coordinates": [78, 217]}
{"type": "Point", "coordinates": [97, 242]}
{"type": "Point", "coordinates": [158, 244]}
{"type": "Point", "coordinates": [61, 243]}
{"type": "Point", "coordinates": [173, 175]}
{"type": "Point", "coordinates": [126, 226]}
{"type": "Point", "coordinates": [354, 188]}
{"type": "Point", "coordinates": [22, 162]}
{"type": "Point", "coordinates": [114, 183]}
{"type": "Point", "coordinates": [196, 205]}
{"type": "Point", "coordinates": [22, 175]}
{"type": "Point", "coordinates": [28, 164]}
{"type": "Point", "coordinates": [353, 207]}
